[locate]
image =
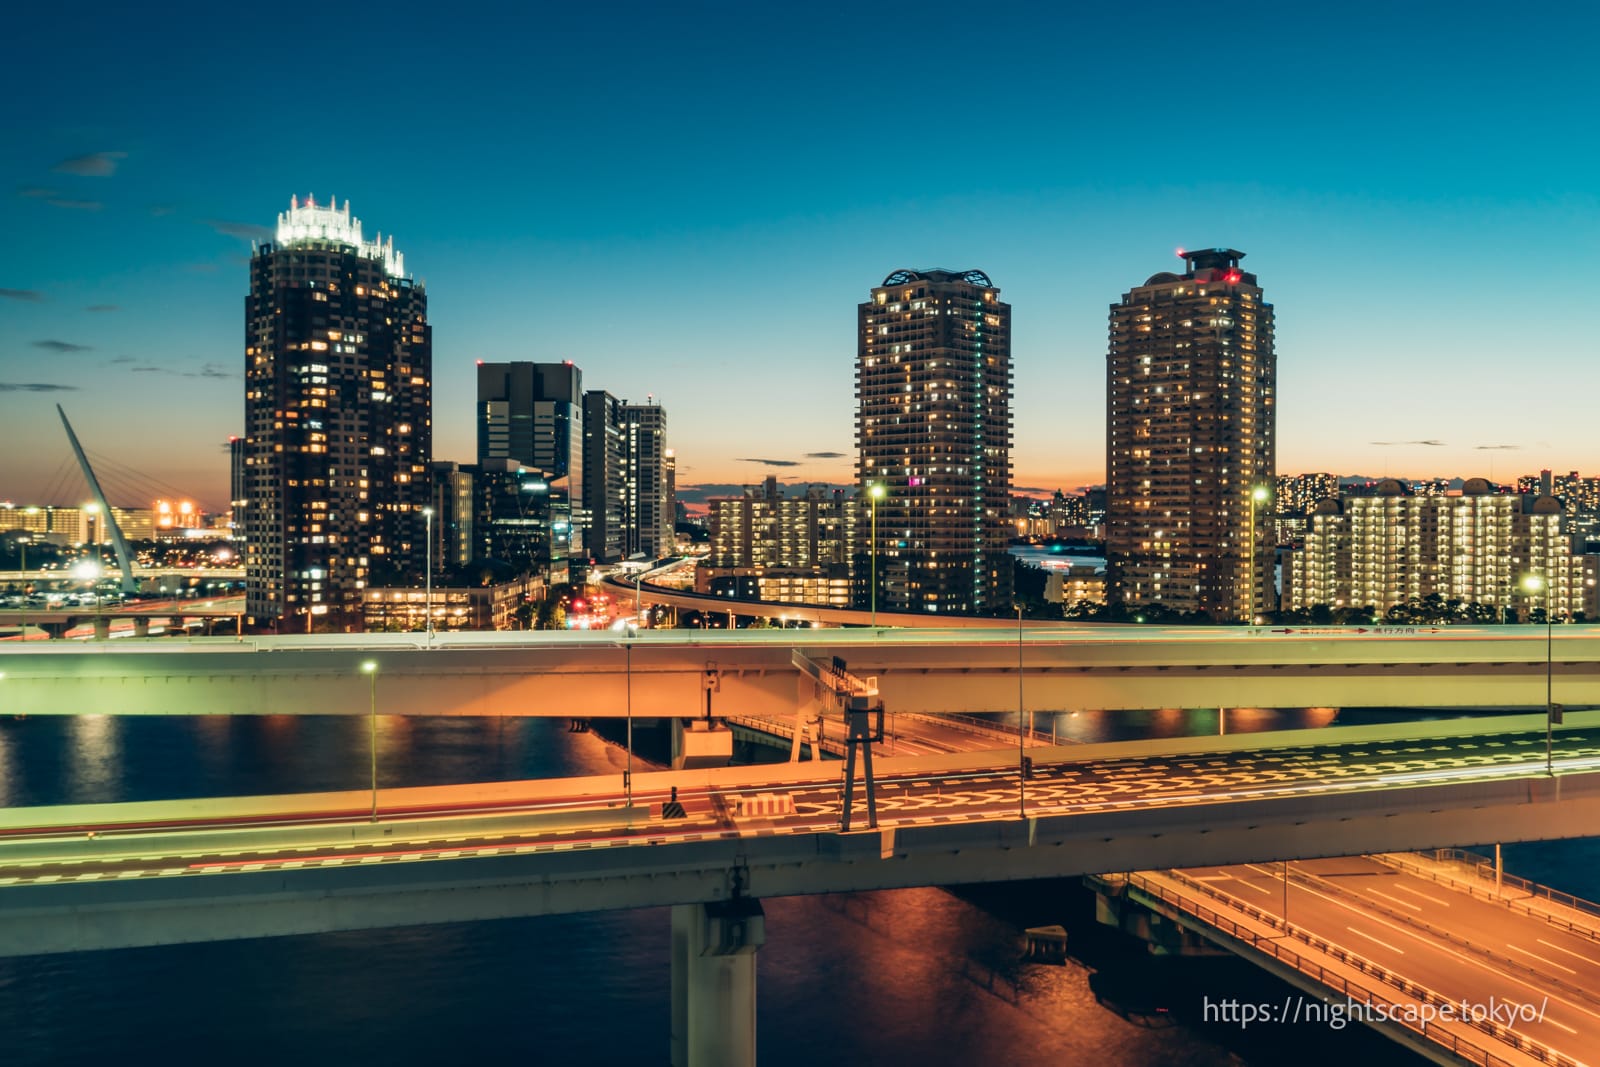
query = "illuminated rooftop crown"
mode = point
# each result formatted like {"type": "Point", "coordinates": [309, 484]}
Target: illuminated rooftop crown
{"type": "Point", "coordinates": [328, 222]}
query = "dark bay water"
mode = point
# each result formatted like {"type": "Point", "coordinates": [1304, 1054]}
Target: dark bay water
{"type": "Point", "coordinates": [914, 976]}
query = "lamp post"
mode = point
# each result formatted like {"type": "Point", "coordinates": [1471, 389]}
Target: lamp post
{"type": "Point", "coordinates": [874, 493]}
{"type": "Point", "coordinates": [89, 571]}
{"type": "Point", "coordinates": [1258, 496]}
{"type": "Point", "coordinates": [627, 774]}
{"type": "Point", "coordinates": [427, 596]}
{"type": "Point", "coordinates": [1533, 583]}
{"type": "Point", "coordinates": [370, 669]}
{"type": "Point", "coordinates": [1022, 737]}
{"type": "Point", "coordinates": [22, 546]}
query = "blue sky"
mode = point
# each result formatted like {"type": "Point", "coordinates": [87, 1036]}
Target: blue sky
{"type": "Point", "coordinates": [689, 200]}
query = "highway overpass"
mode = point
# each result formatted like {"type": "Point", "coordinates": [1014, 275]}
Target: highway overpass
{"type": "Point", "coordinates": [691, 673]}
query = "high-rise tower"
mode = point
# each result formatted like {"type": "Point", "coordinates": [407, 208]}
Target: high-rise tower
{"type": "Point", "coordinates": [1190, 440]}
{"type": "Point", "coordinates": [933, 430]}
{"type": "Point", "coordinates": [647, 520]}
{"type": "Point", "coordinates": [338, 432]}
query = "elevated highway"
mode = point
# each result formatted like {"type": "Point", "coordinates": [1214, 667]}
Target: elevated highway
{"type": "Point", "coordinates": [1426, 950]}
{"type": "Point", "coordinates": [105, 876]}
{"type": "Point", "coordinates": [684, 674]}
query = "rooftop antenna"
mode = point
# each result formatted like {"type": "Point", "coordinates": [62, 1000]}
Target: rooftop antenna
{"type": "Point", "coordinates": [124, 557]}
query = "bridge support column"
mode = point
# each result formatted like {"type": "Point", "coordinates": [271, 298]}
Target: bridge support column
{"type": "Point", "coordinates": [700, 743]}
{"type": "Point", "coordinates": [714, 982]}
{"type": "Point", "coordinates": [1162, 935]}
{"type": "Point", "coordinates": [141, 627]}
{"type": "Point", "coordinates": [102, 628]}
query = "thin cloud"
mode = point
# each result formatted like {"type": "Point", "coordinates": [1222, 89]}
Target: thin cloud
{"type": "Point", "coordinates": [93, 165]}
{"type": "Point", "coordinates": [161, 210]}
{"type": "Point", "coordinates": [208, 370]}
{"type": "Point", "coordinates": [824, 455]}
{"type": "Point", "coordinates": [58, 198]}
{"type": "Point", "coordinates": [123, 359]}
{"type": "Point", "coordinates": [36, 387]}
{"type": "Point", "coordinates": [62, 346]}
{"type": "Point", "coordinates": [699, 494]}
{"type": "Point", "coordinates": [29, 296]}
{"type": "Point", "coordinates": [1498, 448]}
{"type": "Point", "coordinates": [1390, 444]}
{"type": "Point", "coordinates": [103, 307]}
{"type": "Point", "coordinates": [245, 231]}
{"type": "Point", "coordinates": [770, 462]}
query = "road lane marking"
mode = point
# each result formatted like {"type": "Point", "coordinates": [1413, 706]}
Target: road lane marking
{"type": "Point", "coordinates": [1424, 896]}
{"type": "Point", "coordinates": [1397, 900]}
{"type": "Point", "coordinates": [1439, 946]}
{"type": "Point", "coordinates": [1375, 941]}
{"type": "Point", "coordinates": [1541, 959]}
{"type": "Point", "coordinates": [1568, 951]}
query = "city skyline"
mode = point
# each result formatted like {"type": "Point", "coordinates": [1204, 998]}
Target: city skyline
{"type": "Point", "coordinates": [1415, 238]}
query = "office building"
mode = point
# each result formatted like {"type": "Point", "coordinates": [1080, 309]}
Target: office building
{"type": "Point", "coordinates": [532, 414]}
{"type": "Point", "coordinates": [647, 514]}
{"type": "Point", "coordinates": [338, 437]}
{"type": "Point", "coordinates": [1190, 440]}
{"type": "Point", "coordinates": [604, 475]}
{"type": "Point", "coordinates": [933, 433]}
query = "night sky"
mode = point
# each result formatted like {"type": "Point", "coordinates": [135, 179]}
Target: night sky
{"type": "Point", "coordinates": [689, 200]}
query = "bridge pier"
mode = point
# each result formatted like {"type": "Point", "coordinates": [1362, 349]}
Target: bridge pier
{"type": "Point", "coordinates": [714, 982]}
{"type": "Point", "coordinates": [102, 628]}
{"type": "Point", "coordinates": [698, 743]}
{"type": "Point", "coordinates": [141, 627]}
{"type": "Point", "coordinates": [1163, 936]}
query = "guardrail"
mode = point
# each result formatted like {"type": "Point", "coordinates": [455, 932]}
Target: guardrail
{"type": "Point", "coordinates": [976, 724]}
{"type": "Point", "coordinates": [1445, 934]}
{"type": "Point", "coordinates": [785, 730]}
{"type": "Point", "coordinates": [1482, 869]}
{"type": "Point", "coordinates": [1274, 947]}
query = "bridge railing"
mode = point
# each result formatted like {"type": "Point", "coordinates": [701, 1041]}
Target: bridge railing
{"type": "Point", "coordinates": [1481, 870]}
{"type": "Point", "coordinates": [977, 724]}
{"type": "Point", "coordinates": [1395, 1010]}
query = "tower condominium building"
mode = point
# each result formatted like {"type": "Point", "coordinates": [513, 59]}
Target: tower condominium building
{"type": "Point", "coordinates": [1190, 440]}
{"type": "Point", "coordinates": [338, 433]}
{"type": "Point", "coordinates": [933, 434]}
{"type": "Point", "coordinates": [1394, 546]}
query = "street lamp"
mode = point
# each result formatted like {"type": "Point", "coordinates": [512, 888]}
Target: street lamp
{"type": "Point", "coordinates": [1022, 737]}
{"type": "Point", "coordinates": [627, 774]}
{"type": "Point", "coordinates": [89, 571]}
{"type": "Point", "coordinates": [370, 669]}
{"type": "Point", "coordinates": [1258, 496]}
{"type": "Point", "coordinates": [427, 515]}
{"type": "Point", "coordinates": [875, 493]}
{"type": "Point", "coordinates": [1533, 583]}
{"type": "Point", "coordinates": [22, 629]}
